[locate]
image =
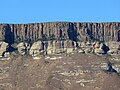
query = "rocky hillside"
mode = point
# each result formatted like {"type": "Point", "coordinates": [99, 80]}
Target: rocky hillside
{"type": "Point", "coordinates": [60, 31]}
{"type": "Point", "coordinates": [74, 72]}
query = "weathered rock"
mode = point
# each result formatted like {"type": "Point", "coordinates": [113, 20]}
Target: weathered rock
{"type": "Point", "coordinates": [3, 47]}
{"type": "Point", "coordinates": [36, 48]}
{"type": "Point", "coordinates": [6, 54]}
{"type": "Point", "coordinates": [81, 51]}
{"type": "Point", "coordinates": [117, 68]}
{"type": "Point", "coordinates": [113, 45]}
{"type": "Point", "coordinates": [62, 34]}
{"type": "Point", "coordinates": [88, 50]}
{"type": "Point", "coordinates": [83, 45]}
{"type": "Point", "coordinates": [114, 48]}
{"type": "Point", "coordinates": [79, 44]}
{"type": "Point", "coordinates": [69, 50]}
{"type": "Point", "coordinates": [65, 43]}
{"type": "Point", "coordinates": [99, 51]}
{"type": "Point", "coordinates": [99, 48]}
{"type": "Point", "coordinates": [113, 51]}
{"type": "Point", "coordinates": [60, 30]}
{"type": "Point", "coordinates": [97, 45]}
{"type": "Point", "coordinates": [88, 43]}
{"type": "Point", "coordinates": [101, 45]}
{"type": "Point", "coordinates": [50, 48]}
{"type": "Point", "coordinates": [23, 48]}
{"type": "Point", "coordinates": [54, 46]}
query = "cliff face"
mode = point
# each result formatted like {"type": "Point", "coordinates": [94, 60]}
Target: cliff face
{"type": "Point", "coordinates": [11, 33]}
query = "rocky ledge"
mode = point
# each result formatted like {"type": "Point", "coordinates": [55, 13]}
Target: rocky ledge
{"type": "Point", "coordinates": [59, 37]}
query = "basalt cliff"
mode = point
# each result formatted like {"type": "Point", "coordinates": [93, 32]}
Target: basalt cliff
{"type": "Point", "coordinates": [60, 56]}
{"type": "Point", "coordinates": [60, 31]}
{"type": "Point", "coordinates": [59, 37]}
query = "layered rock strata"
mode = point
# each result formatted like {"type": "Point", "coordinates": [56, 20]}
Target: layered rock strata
{"type": "Point", "coordinates": [62, 37]}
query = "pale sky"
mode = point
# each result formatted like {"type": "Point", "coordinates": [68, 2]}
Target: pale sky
{"type": "Point", "coordinates": [32, 11]}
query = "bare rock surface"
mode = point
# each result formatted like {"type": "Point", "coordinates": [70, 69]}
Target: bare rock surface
{"type": "Point", "coordinates": [3, 47]}
{"type": "Point", "coordinates": [36, 48]}
{"type": "Point", "coordinates": [109, 31]}
{"type": "Point", "coordinates": [23, 48]}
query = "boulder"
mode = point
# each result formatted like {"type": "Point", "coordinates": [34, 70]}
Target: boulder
{"type": "Point", "coordinates": [3, 48]}
{"type": "Point", "coordinates": [81, 51]}
{"type": "Point", "coordinates": [88, 50]}
{"type": "Point", "coordinates": [100, 48]}
{"type": "Point", "coordinates": [36, 48]}
{"type": "Point", "coordinates": [114, 48]}
{"type": "Point", "coordinates": [69, 50]}
{"type": "Point", "coordinates": [83, 45]}
{"type": "Point", "coordinates": [99, 51]}
{"type": "Point", "coordinates": [23, 48]}
{"type": "Point", "coordinates": [113, 51]}
{"type": "Point", "coordinates": [97, 45]}
{"type": "Point", "coordinates": [6, 54]}
{"type": "Point", "coordinates": [113, 45]}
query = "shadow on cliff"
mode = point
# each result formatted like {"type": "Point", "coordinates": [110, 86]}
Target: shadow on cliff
{"type": "Point", "coordinates": [89, 33]}
{"type": "Point", "coordinates": [118, 35]}
{"type": "Point", "coordinates": [105, 48]}
{"type": "Point", "coordinates": [8, 35]}
{"type": "Point", "coordinates": [72, 33]}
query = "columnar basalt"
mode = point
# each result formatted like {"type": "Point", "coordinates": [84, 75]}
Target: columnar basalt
{"type": "Point", "coordinates": [59, 37]}
{"type": "Point", "coordinates": [60, 31]}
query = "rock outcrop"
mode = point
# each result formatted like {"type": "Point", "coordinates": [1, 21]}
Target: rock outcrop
{"type": "Point", "coordinates": [61, 37]}
{"type": "Point", "coordinates": [23, 48]}
{"type": "Point", "coordinates": [36, 48]}
{"type": "Point", "coordinates": [114, 47]}
{"type": "Point", "coordinates": [3, 48]}
{"type": "Point", "coordinates": [99, 48]}
{"type": "Point", "coordinates": [75, 31]}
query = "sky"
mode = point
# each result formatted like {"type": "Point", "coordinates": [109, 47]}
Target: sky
{"type": "Point", "coordinates": [35, 11]}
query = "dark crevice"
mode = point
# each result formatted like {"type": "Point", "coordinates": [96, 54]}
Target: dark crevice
{"type": "Point", "coordinates": [8, 35]}
{"type": "Point", "coordinates": [118, 35]}
{"type": "Point", "coordinates": [72, 33]}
